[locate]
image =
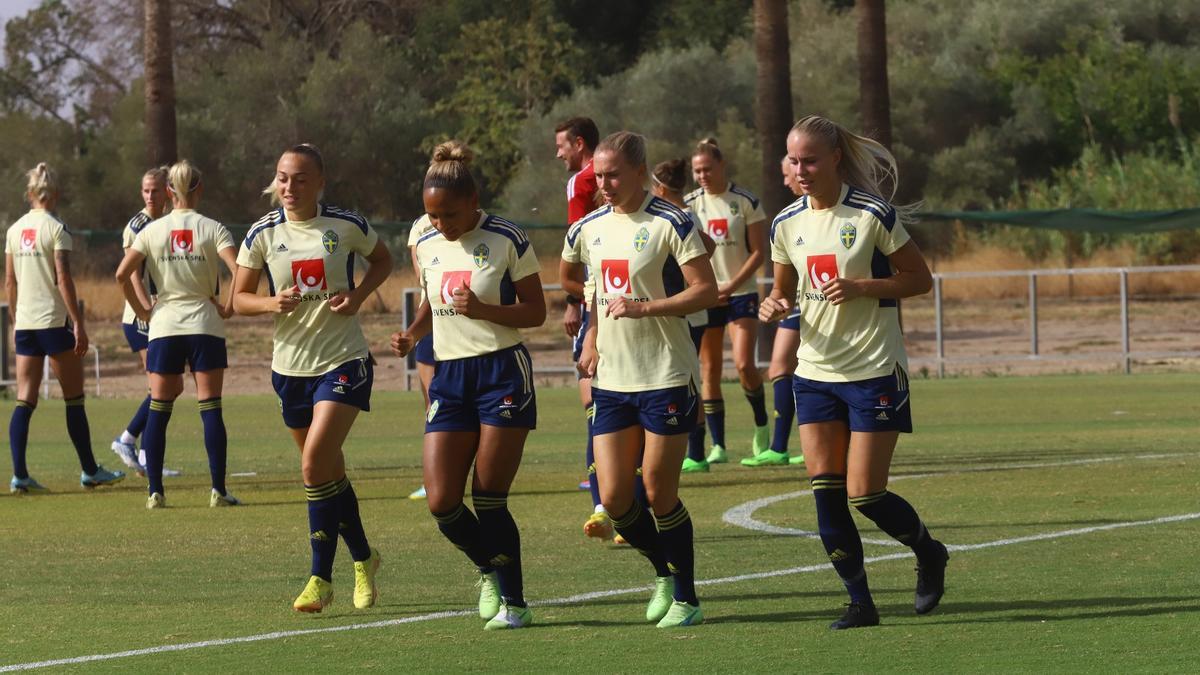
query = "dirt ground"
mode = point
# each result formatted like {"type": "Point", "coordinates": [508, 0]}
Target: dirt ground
{"type": "Point", "coordinates": [1082, 335]}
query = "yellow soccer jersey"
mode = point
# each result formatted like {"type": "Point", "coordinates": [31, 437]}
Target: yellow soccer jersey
{"type": "Point", "coordinates": [638, 255]}
{"type": "Point", "coordinates": [131, 230]}
{"type": "Point", "coordinates": [488, 260]}
{"type": "Point", "coordinates": [181, 256]}
{"type": "Point", "coordinates": [572, 253]}
{"type": "Point", "coordinates": [419, 227]}
{"type": "Point", "coordinates": [725, 218]}
{"type": "Point", "coordinates": [31, 242]}
{"type": "Point", "coordinates": [316, 256]}
{"type": "Point", "coordinates": [859, 339]}
{"type": "Point", "coordinates": [698, 318]}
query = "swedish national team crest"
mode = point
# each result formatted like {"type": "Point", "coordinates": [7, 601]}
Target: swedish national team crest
{"type": "Point", "coordinates": [482, 252]}
{"type": "Point", "coordinates": [734, 208]}
{"type": "Point", "coordinates": [641, 239]}
{"type": "Point", "coordinates": [330, 241]}
{"type": "Point", "coordinates": [848, 234]}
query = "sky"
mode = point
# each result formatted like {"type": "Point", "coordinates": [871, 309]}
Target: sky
{"type": "Point", "coordinates": [11, 8]}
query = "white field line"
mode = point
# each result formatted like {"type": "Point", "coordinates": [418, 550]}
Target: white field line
{"type": "Point", "coordinates": [584, 597]}
{"type": "Point", "coordinates": [742, 515]}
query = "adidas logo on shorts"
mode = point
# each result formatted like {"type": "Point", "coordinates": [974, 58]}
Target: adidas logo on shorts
{"type": "Point", "coordinates": [506, 414]}
{"type": "Point", "coordinates": [882, 417]}
{"type": "Point", "coordinates": [674, 421]}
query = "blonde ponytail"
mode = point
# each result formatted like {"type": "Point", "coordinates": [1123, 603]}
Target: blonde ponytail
{"type": "Point", "coordinates": [708, 146]}
{"type": "Point", "coordinates": [182, 181]}
{"type": "Point", "coordinates": [630, 146]}
{"type": "Point", "coordinates": [42, 182]}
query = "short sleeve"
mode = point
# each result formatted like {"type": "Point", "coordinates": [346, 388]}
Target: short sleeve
{"type": "Point", "coordinates": [688, 246]}
{"type": "Point", "coordinates": [62, 238]}
{"type": "Point", "coordinates": [572, 244]}
{"type": "Point", "coordinates": [140, 244]}
{"type": "Point", "coordinates": [414, 232]}
{"type": "Point", "coordinates": [757, 215]}
{"type": "Point", "coordinates": [890, 239]}
{"type": "Point", "coordinates": [127, 236]}
{"type": "Point", "coordinates": [779, 252]}
{"type": "Point", "coordinates": [525, 265]}
{"type": "Point", "coordinates": [366, 240]}
{"type": "Point", "coordinates": [224, 239]}
{"type": "Point", "coordinates": [8, 247]}
{"type": "Point", "coordinates": [251, 254]}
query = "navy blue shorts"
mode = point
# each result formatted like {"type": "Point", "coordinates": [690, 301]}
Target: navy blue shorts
{"type": "Point", "coordinates": [743, 306]}
{"type": "Point", "coordinates": [577, 342]}
{"type": "Point", "coordinates": [168, 355]}
{"type": "Point", "coordinates": [137, 334]}
{"type": "Point", "coordinates": [349, 383]}
{"type": "Point", "coordinates": [665, 412]}
{"type": "Point", "coordinates": [494, 389]}
{"type": "Point", "coordinates": [697, 335]}
{"type": "Point", "coordinates": [44, 341]}
{"type": "Point", "coordinates": [791, 323]}
{"type": "Point", "coordinates": [878, 404]}
{"type": "Point", "coordinates": [424, 350]}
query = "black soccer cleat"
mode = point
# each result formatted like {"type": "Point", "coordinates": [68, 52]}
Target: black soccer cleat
{"type": "Point", "coordinates": [858, 615]}
{"type": "Point", "coordinates": [931, 581]}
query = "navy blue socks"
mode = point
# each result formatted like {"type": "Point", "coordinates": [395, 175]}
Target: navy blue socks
{"type": "Point", "coordinates": [590, 457]}
{"type": "Point", "coordinates": [785, 412]}
{"type": "Point", "coordinates": [215, 441]}
{"type": "Point", "coordinates": [461, 527]}
{"type": "Point", "coordinates": [840, 535]}
{"type": "Point", "coordinates": [154, 442]}
{"type": "Point", "coordinates": [18, 436]}
{"type": "Point", "coordinates": [81, 435]}
{"type": "Point", "coordinates": [758, 403]}
{"type": "Point", "coordinates": [350, 524]}
{"type": "Point", "coordinates": [714, 414]}
{"type": "Point", "coordinates": [138, 424]}
{"type": "Point", "coordinates": [323, 507]}
{"type": "Point", "coordinates": [502, 541]}
{"type": "Point", "coordinates": [894, 515]}
{"type": "Point", "coordinates": [675, 535]}
{"type": "Point", "coordinates": [637, 526]}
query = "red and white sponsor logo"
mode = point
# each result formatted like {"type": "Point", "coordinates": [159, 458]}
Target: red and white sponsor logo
{"type": "Point", "coordinates": [718, 228]}
{"type": "Point", "coordinates": [616, 276]}
{"type": "Point", "coordinates": [451, 281]}
{"type": "Point", "coordinates": [28, 239]}
{"type": "Point", "coordinates": [884, 401]}
{"type": "Point", "coordinates": [309, 275]}
{"type": "Point", "coordinates": [507, 400]}
{"type": "Point", "coordinates": [821, 269]}
{"type": "Point", "coordinates": [343, 379]}
{"type": "Point", "coordinates": [672, 409]}
{"type": "Point", "coordinates": [182, 241]}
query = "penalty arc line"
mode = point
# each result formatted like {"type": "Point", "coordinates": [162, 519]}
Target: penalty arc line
{"type": "Point", "coordinates": [573, 599]}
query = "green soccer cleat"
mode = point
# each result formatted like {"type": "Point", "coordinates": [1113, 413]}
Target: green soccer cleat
{"type": "Point", "coordinates": [217, 500]}
{"type": "Point", "coordinates": [23, 486]}
{"type": "Point", "coordinates": [101, 477]}
{"type": "Point", "coordinates": [316, 596]}
{"type": "Point", "coordinates": [661, 598]}
{"type": "Point", "coordinates": [156, 500]}
{"type": "Point", "coordinates": [767, 458]}
{"type": "Point", "coordinates": [692, 466]}
{"type": "Point", "coordinates": [682, 614]}
{"type": "Point", "coordinates": [509, 616]}
{"type": "Point", "coordinates": [419, 493]}
{"type": "Point", "coordinates": [796, 460]}
{"type": "Point", "coordinates": [761, 441]}
{"type": "Point", "coordinates": [489, 595]}
{"type": "Point", "coordinates": [717, 455]}
{"type": "Point", "coordinates": [365, 590]}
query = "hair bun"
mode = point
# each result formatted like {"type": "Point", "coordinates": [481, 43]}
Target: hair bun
{"type": "Point", "coordinates": [453, 151]}
{"type": "Point", "coordinates": [711, 141]}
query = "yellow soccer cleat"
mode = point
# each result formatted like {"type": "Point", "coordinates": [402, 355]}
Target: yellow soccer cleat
{"type": "Point", "coordinates": [156, 500]}
{"type": "Point", "coordinates": [365, 590]}
{"type": "Point", "coordinates": [599, 526]}
{"type": "Point", "coordinates": [316, 596]}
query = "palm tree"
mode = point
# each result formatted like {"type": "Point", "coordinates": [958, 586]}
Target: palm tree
{"type": "Point", "coordinates": [773, 105]}
{"type": "Point", "coordinates": [158, 56]}
{"type": "Point", "coordinates": [873, 98]}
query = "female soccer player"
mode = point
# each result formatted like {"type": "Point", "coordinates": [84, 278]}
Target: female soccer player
{"type": "Point", "coordinates": [783, 364]}
{"type": "Point", "coordinates": [851, 382]}
{"type": "Point", "coordinates": [424, 348]}
{"type": "Point", "coordinates": [321, 368]}
{"type": "Point", "coordinates": [182, 252]}
{"type": "Point", "coordinates": [732, 216]}
{"type": "Point", "coordinates": [41, 296]}
{"type": "Point", "coordinates": [650, 269]}
{"type": "Point", "coordinates": [481, 283]}
{"type": "Point", "coordinates": [668, 181]}
{"type": "Point", "coordinates": [154, 196]}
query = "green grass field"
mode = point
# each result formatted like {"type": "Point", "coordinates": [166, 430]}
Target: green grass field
{"type": "Point", "coordinates": [993, 461]}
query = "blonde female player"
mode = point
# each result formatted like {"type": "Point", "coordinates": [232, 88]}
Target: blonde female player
{"type": "Point", "coordinates": [481, 283]}
{"type": "Point", "coordinates": [650, 269]}
{"type": "Point", "coordinates": [321, 368]}
{"type": "Point", "coordinates": [154, 196]}
{"type": "Point", "coordinates": [783, 364]}
{"type": "Point", "coordinates": [733, 217]}
{"type": "Point", "coordinates": [668, 181]}
{"type": "Point", "coordinates": [41, 296]}
{"type": "Point", "coordinates": [851, 382]}
{"type": "Point", "coordinates": [182, 252]}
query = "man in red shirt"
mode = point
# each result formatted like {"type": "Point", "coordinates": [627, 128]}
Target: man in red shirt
{"type": "Point", "coordinates": [576, 140]}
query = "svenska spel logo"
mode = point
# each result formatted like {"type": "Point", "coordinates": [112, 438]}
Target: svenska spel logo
{"type": "Point", "coordinates": [309, 275]}
{"type": "Point", "coordinates": [616, 276]}
{"type": "Point", "coordinates": [821, 269]}
{"type": "Point", "coordinates": [182, 242]}
{"type": "Point", "coordinates": [28, 239]}
{"type": "Point", "coordinates": [451, 281]}
{"type": "Point", "coordinates": [718, 228]}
